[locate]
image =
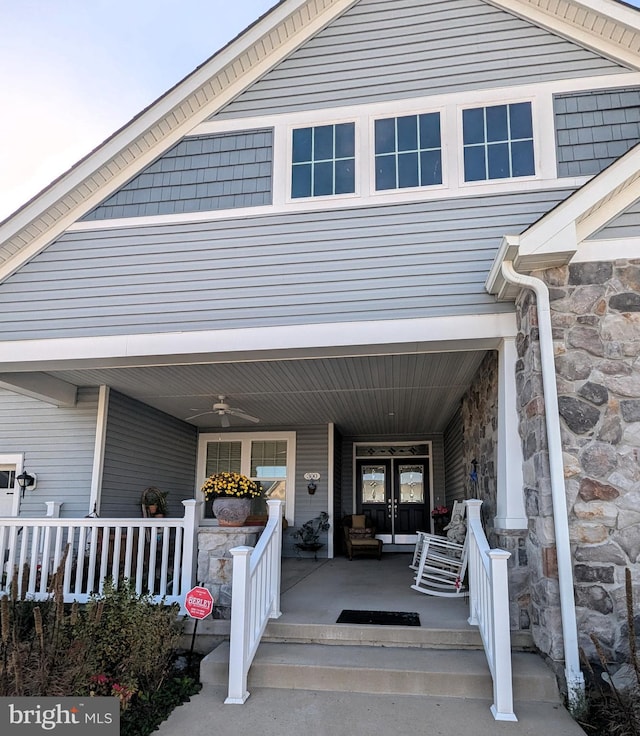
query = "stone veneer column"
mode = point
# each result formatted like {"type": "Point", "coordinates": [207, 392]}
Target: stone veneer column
{"type": "Point", "coordinates": [595, 310]}
{"type": "Point", "coordinates": [215, 564]}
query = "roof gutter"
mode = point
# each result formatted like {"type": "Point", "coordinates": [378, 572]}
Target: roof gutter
{"type": "Point", "coordinates": [573, 675]}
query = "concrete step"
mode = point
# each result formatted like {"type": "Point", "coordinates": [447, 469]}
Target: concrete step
{"type": "Point", "coordinates": [390, 670]}
{"type": "Point", "coordinates": [371, 635]}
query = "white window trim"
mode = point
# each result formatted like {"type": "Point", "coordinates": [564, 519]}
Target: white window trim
{"type": "Point", "coordinates": [371, 154]}
{"type": "Point", "coordinates": [537, 133]}
{"type": "Point", "coordinates": [325, 198]}
{"type": "Point", "coordinates": [246, 438]}
{"type": "Point", "coordinates": [539, 94]}
{"type": "Point", "coordinates": [16, 459]}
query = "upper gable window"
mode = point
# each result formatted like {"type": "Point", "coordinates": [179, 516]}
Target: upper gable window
{"type": "Point", "coordinates": [498, 142]}
{"type": "Point", "coordinates": [323, 160]}
{"type": "Point", "coordinates": [408, 151]}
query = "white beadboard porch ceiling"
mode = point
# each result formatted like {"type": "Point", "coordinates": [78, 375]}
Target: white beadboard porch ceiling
{"type": "Point", "coordinates": [367, 395]}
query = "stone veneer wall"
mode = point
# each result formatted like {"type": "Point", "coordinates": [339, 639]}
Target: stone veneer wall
{"type": "Point", "coordinates": [595, 311]}
{"type": "Point", "coordinates": [215, 562]}
{"type": "Point", "coordinates": [480, 443]}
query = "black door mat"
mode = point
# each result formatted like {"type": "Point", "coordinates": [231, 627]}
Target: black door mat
{"type": "Point", "coordinates": [379, 618]}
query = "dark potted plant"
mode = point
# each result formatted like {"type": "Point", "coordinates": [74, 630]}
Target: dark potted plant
{"type": "Point", "coordinates": [309, 533]}
{"type": "Point", "coordinates": [155, 501]}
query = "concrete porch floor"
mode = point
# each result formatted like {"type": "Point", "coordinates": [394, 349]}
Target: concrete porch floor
{"type": "Point", "coordinates": [317, 591]}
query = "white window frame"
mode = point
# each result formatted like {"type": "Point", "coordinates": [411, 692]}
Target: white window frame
{"type": "Point", "coordinates": [450, 104]}
{"type": "Point", "coordinates": [535, 122]}
{"type": "Point", "coordinates": [246, 438]}
{"type": "Point", "coordinates": [395, 114]}
{"type": "Point", "coordinates": [16, 459]}
{"type": "Point", "coordinates": [356, 163]}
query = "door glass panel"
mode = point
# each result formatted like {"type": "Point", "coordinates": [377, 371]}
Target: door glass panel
{"type": "Point", "coordinates": [411, 484]}
{"type": "Point", "coordinates": [373, 484]}
{"type": "Point", "coordinates": [421, 450]}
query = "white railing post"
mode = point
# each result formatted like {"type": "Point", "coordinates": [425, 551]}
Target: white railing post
{"type": "Point", "coordinates": [239, 636]}
{"type": "Point", "coordinates": [276, 561]}
{"type": "Point", "coordinates": [53, 509]}
{"type": "Point", "coordinates": [473, 512]}
{"type": "Point", "coordinates": [189, 546]}
{"type": "Point", "coordinates": [502, 707]}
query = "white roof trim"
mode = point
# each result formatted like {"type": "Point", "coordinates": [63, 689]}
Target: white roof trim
{"type": "Point", "coordinates": [604, 26]}
{"type": "Point", "coordinates": [160, 126]}
{"type": "Point", "coordinates": [287, 26]}
{"type": "Point", "coordinates": [555, 238]}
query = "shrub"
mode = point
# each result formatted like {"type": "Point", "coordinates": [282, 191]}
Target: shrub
{"type": "Point", "coordinates": [614, 708]}
{"type": "Point", "coordinates": [130, 641]}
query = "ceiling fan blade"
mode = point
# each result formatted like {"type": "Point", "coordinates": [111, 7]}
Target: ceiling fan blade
{"type": "Point", "coordinates": [242, 415]}
{"type": "Point", "coordinates": [225, 421]}
{"type": "Point", "coordinates": [195, 416]}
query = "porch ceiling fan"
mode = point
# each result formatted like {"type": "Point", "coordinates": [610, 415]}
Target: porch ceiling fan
{"type": "Point", "coordinates": [224, 411]}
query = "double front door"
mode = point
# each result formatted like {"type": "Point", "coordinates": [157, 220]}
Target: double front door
{"type": "Point", "coordinates": [394, 493]}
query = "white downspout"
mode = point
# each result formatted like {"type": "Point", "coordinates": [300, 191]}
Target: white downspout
{"type": "Point", "coordinates": [574, 677]}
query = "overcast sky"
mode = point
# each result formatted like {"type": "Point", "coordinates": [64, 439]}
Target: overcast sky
{"type": "Point", "coordinates": [74, 71]}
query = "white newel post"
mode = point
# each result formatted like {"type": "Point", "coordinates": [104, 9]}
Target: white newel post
{"type": "Point", "coordinates": [502, 707]}
{"type": "Point", "coordinates": [276, 512]}
{"type": "Point", "coordinates": [189, 546]}
{"type": "Point", "coordinates": [239, 638]}
{"type": "Point", "coordinates": [473, 512]}
{"type": "Point", "coordinates": [53, 509]}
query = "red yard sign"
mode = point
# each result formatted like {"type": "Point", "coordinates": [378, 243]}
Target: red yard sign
{"type": "Point", "coordinates": [198, 602]}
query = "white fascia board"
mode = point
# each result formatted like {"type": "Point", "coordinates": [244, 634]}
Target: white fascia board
{"type": "Point", "coordinates": [551, 231]}
{"type": "Point", "coordinates": [623, 197]}
{"type": "Point", "coordinates": [434, 334]}
{"type": "Point", "coordinates": [40, 386]}
{"type": "Point", "coordinates": [507, 251]}
{"type": "Point", "coordinates": [260, 55]}
{"type": "Point", "coordinates": [607, 250]}
{"type": "Point", "coordinates": [608, 28]}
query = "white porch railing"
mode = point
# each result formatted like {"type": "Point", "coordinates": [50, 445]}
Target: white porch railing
{"type": "Point", "coordinates": [489, 610]}
{"type": "Point", "coordinates": [156, 555]}
{"type": "Point", "coordinates": [255, 598]}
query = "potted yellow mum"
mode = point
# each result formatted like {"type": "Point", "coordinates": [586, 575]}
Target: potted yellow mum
{"type": "Point", "coordinates": [232, 494]}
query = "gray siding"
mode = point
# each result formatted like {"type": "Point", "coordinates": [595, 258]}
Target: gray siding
{"type": "Point", "coordinates": [454, 461]}
{"type": "Point", "coordinates": [389, 262]}
{"type": "Point", "coordinates": [312, 456]}
{"type": "Point", "coordinates": [145, 447]}
{"type": "Point", "coordinates": [625, 225]}
{"type": "Point", "coordinates": [202, 173]}
{"type": "Point", "coordinates": [375, 52]}
{"type": "Point", "coordinates": [593, 129]}
{"type": "Point", "coordinates": [58, 446]}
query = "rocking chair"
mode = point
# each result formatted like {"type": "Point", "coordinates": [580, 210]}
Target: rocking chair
{"type": "Point", "coordinates": [457, 520]}
{"type": "Point", "coordinates": [442, 567]}
{"type": "Point", "coordinates": [441, 562]}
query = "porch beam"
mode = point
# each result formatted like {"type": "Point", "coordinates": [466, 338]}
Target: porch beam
{"type": "Point", "coordinates": [41, 386]}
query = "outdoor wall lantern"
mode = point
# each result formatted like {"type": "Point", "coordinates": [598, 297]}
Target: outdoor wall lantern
{"type": "Point", "coordinates": [312, 478]}
{"type": "Point", "coordinates": [26, 481]}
